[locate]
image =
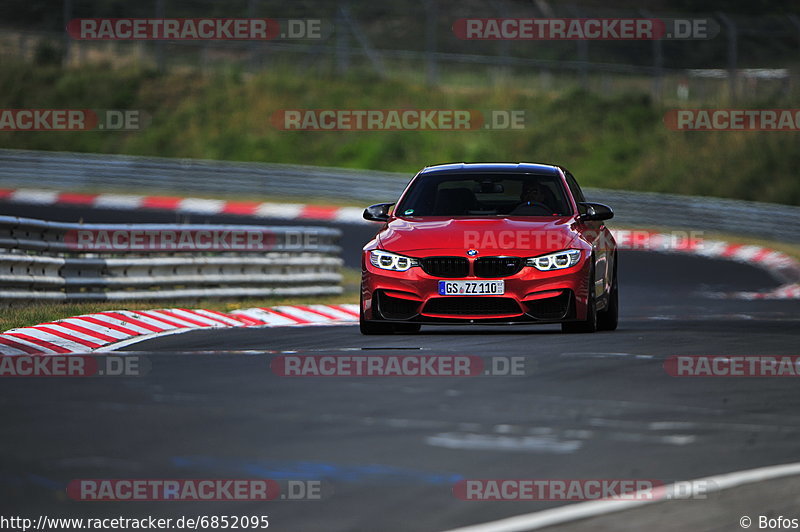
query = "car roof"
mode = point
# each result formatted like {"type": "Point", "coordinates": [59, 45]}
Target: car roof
{"type": "Point", "coordinates": [457, 168]}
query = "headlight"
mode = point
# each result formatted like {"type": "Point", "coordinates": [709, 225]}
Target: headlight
{"type": "Point", "coordinates": [391, 261]}
{"type": "Point", "coordinates": [555, 261]}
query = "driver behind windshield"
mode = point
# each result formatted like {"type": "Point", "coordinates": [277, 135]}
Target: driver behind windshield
{"type": "Point", "coordinates": [533, 193]}
{"type": "Point", "coordinates": [535, 200]}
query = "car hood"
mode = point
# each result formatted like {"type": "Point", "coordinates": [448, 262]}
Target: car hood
{"type": "Point", "coordinates": [518, 236]}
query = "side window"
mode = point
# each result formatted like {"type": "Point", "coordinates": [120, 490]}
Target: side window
{"type": "Point", "coordinates": [574, 188]}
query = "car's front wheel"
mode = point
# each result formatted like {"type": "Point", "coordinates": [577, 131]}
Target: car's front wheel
{"type": "Point", "coordinates": [608, 318]}
{"type": "Point", "coordinates": [589, 325]}
{"type": "Point", "coordinates": [370, 328]}
{"type": "Point", "coordinates": [407, 328]}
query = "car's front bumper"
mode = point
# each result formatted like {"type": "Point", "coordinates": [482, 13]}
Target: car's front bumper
{"type": "Point", "coordinates": [531, 296]}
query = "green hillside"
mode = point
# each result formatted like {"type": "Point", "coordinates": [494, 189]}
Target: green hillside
{"type": "Point", "coordinates": [614, 142]}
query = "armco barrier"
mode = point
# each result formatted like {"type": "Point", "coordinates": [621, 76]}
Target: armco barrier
{"type": "Point", "coordinates": [78, 171]}
{"type": "Point", "coordinates": [48, 260]}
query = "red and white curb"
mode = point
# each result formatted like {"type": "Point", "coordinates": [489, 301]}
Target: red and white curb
{"type": "Point", "coordinates": [286, 211]}
{"type": "Point", "coordinates": [779, 264]}
{"type": "Point", "coordinates": [106, 331]}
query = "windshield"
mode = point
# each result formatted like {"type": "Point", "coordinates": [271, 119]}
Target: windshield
{"type": "Point", "coordinates": [485, 195]}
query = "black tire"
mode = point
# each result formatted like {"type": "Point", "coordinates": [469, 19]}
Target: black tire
{"type": "Point", "coordinates": [589, 325]}
{"type": "Point", "coordinates": [608, 318]}
{"type": "Point", "coordinates": [370, 328]}
{"type": "Point", "coordinates": [406, 328]}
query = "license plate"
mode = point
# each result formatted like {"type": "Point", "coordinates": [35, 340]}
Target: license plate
{"type": "Point", "coordinates": [471, 288]}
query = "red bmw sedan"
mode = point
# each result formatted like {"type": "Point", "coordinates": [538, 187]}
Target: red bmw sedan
{"type": "Point", "coordinates": [485, 243]}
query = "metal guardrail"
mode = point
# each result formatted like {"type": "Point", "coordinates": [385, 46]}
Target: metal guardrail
{"type": "Point", "coordinates": [765, 220]}
{"type": "Point", "coordinates": [43, 260]}
{"type": "Point", "coordinates": [65, 171]}
{"type": "Point", "coordinates": [95, 171]}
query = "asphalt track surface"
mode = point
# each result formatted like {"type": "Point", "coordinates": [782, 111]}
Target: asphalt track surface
{"type": "Point", "coordinates": [388, 450]}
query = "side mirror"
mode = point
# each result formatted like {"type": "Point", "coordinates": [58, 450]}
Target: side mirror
{"type": "Point", "coordinates": [595, 212]}
{"type": "Point", "coordinates": [378, 213]}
